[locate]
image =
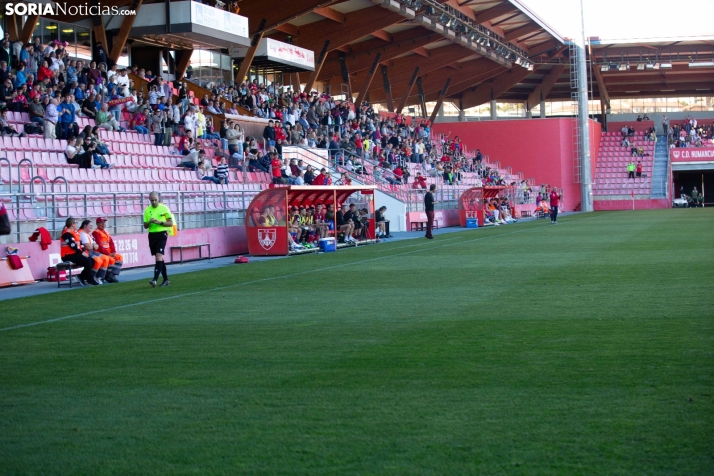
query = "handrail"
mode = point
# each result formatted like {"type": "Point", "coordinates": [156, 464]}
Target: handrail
{"type": "Point", "coordinates": [54, 201]}
{"type": "Point", "coordinates": [44, 190]}
{"type": "Point", "coordinates": [9, 169]}
{"type": "Point", "coordinates": [32, 184]}
{"type": "Point", "coordinates": [55, 180]}
{"type": "Point", "coordinates": [19, 178]}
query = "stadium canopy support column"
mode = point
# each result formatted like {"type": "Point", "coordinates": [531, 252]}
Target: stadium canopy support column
{"type": "Point", "coordinates": [387, 89]}
{"type": "Point", "coordinates": [542, 108]}
{"type": "Point", "coordinates": [29, 28]}
{"type": "Point", "coordinates": [183, 63]}
{"type": "Point", "coordinates": [318, 66]}
{"type": "Point", "coordinates": [123, 34]}
{"type": "Point", "coordinates": [100, 34]}
{"type": "Point", "coordinates": [586, 192]}
{"type": "Point", "coordinates": [408, 91]}
{"type": "Point", "coordinates": [438, 107]}
{"type": "Point", "coordinates": [11, 27]}
{"type": "Point", "coordinates": [494, 111]}
{"type": "Point", "coordinates": [249, 55]}
{"type": "Point", "coordinates": [367, 81]}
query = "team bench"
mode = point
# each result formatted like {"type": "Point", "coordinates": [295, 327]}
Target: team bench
{"type": "Point", "coordinates": [421, 225]}
{"type": "Point", "coordinates": [67, 267]}
{"type": "Point", "coordinates": [180, 248]}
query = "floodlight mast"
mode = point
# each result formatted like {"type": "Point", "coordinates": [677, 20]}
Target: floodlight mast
{"type": "Point", "coordinates": [586, 186]}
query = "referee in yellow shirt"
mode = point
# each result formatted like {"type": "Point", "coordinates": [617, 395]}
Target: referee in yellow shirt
{"type": "Point", "coordinates": [158, 220]}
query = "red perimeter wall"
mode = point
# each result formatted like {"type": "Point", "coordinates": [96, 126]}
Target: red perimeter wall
{"type": "Point", "coordinates": [540, 148]}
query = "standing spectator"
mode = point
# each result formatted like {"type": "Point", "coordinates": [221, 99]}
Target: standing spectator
{"type": "Point", "coordinates": [275, 166]}
{"type": "Point", "coordinates": [638, 170]}
{"type": "Point", "coordinates": [269, 133]}
{"type": "Point", "coordinates": [51, 118]}
{"type": "Point", "coordinates": [157, 124]}
{"type": "Point", "coordinates": [67, 111]}
{"type": "Point", "coordinates": [554, 201]}
{"type": "Point", "coordinates": [631, 170]}
{"type": "Point", "coordinates": [429, 203]}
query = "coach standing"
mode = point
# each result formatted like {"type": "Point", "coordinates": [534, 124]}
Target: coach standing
{"type": "Point", "coordinates": [554, 201]}
{"type": "Point", "coordinates": [158, 220]}
{"type": "Point", "coordinates": [429, 208]}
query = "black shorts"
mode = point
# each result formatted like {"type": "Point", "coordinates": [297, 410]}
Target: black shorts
{"type": "Point", "coordinates": [157, 242]}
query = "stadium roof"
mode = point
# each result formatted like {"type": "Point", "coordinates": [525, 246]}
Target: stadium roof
{"type": "Point", "coordinates": [624, 69]}
{"type": "Point", "coordinates": [411, 34]}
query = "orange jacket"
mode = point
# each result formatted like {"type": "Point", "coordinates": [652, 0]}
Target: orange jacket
{"type": "Point", "coordinates": [104, 241]}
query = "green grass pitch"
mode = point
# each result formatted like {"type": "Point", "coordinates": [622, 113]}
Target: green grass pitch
{"type": "Point", "coordinates": [581, 348]}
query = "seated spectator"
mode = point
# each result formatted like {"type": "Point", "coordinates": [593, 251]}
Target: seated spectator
{"type": "Point", "coordinates": [186, 142]}
{"type": "Point", "coordinates": [222, 171]}
{"type": "Point", "coordinates": [6, 129]}
{"type": "Point", "coordinates": [101, 262]}
{"type": "Point", "coordinates": [353, 216]}
{"type": "Point", "coordinates": [322, 227]}
{"type": "Point", "coordinates": [106, 119]}
{"type": "Point", "coordinates": [639, 118]}
{"type": "Point", "coordinates": [71, 250]}
{"type": "Point", "coordinates": [89, 108]}
{"type": "Point", "coordinates": [343, 180]}
{"type": "Point", "coordinates": [191, 160]}
{"type": "Point", "coordinates": [89, 146]}
{"type": "Point", "coordinates": [345, 226]}
{"type": "Point", "coordinates": [419, 181]}
{"type": "Point", "coordinates": [76, 156]}
{"type": "Point", "coordinates": [138, 122]}
{"type": "Point", "coordinates": [37, 110]}
{"type": "Point", "coordinates": [205, 172]}
{"type": "Point", "coordinates": [106, 247]}
{"type": "Point", "coordinates": [309, 175]}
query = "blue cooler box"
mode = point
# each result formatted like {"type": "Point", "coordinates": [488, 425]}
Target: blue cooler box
{"type": "Point", "coordinates": [327, 245]}
{"type": "Point", "coordinates": [472, 223]}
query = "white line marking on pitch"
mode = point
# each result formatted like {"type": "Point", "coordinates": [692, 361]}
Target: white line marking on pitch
{"type": "Point", "coordinates": [272, 278]}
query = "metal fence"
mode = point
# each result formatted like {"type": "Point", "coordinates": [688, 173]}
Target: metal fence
{"type": "Point", "coordinates": [196, 209]}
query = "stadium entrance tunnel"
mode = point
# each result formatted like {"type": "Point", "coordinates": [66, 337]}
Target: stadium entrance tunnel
{"type": "Point", "coordinates": [474, 201]}
{"type": "Point", "coordinates": [267, 219]}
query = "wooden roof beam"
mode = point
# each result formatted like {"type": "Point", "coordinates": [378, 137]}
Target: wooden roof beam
{"type": "Point", "coordinates": [522, 31]}
{"type": "Point", "coordinates": [330, 14]}
{"type": "Point", "coordinates": [382, 35]}
{"type": "Point", "coordinates": [542, 90]}
{"type": "Point", "coordinates": [494, 12]}
{"type": "Point", "coordinates": [357, 24]}
{"type": "Point", "coordinates": [277, 12]}
{"type": "Point", "coordinates": [493, 89]}
{"type": "Point", "coordinates": [361, 60]}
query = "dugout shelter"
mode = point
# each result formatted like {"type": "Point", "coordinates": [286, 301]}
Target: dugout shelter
{"type": "Point", "coordinates": [473, 202]}
{"type": "Point", "coordinates": [273, 240]}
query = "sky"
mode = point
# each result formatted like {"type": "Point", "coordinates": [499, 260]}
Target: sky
{"type": "Point", "coordinates": [627, 19]}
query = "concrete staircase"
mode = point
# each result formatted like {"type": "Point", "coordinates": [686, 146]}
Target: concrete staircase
{"type": "Point", "coordinates": [660, 168]}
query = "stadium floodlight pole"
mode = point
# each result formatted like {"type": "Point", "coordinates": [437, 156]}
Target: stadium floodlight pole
{"type": "Point", "coordinates": [586, 186]}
